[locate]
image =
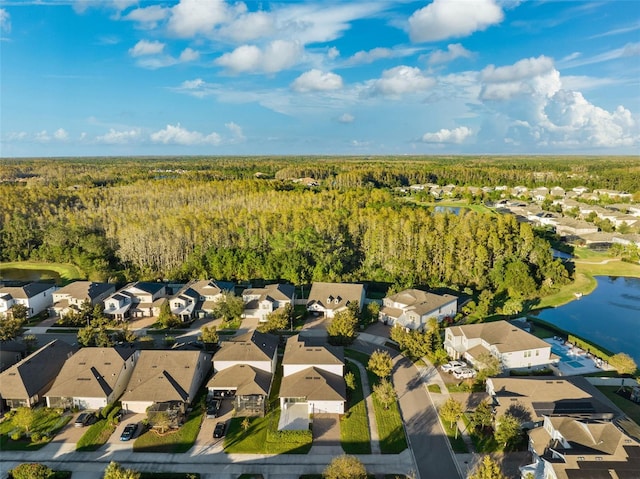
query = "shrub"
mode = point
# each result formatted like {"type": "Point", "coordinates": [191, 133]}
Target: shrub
{"type": "Point", "coordinates": [289, 437]}
{"type": "Point", "coordinates": [31, 470]}
{"type": "Point", "coordinates": [15, 436]}
{"type": "Point", "coordinates": [35, 437]}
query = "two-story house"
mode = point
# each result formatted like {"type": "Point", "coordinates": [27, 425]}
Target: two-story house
{"type": "Point", "coordinates": [184, 304]}
{"type": "Point", "coordinates": [136, 300]}
{"type": "Point", "coordinates": [260, 302]}
{"type": "Point", "coordinates": [329, 298]}
{"type": "Point", "coordinates": [210, 292]}
{"type": "Point", "coordinates": [515, 348]}
{"type": "Point", "coordinates": [312, 379]}
{"type": "Point", "coordinates": [243, 370]}
{"type": "Point", "coordinates": [71, 297]}
{"type": "Point", "coordinates": [36, 297]}
{"type": "Point", "coordinates": [412, 308]}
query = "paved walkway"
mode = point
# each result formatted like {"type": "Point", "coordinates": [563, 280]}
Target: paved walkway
{"type": "Point", "coordinates": [366, 391]}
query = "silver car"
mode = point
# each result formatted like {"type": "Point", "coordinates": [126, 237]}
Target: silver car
{"type": "Point", "coordinates": [452, 366]}
{"type": "Point", "coordinates": [464, 373]}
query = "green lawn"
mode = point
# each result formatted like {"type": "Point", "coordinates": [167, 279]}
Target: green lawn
{"type": "Point", "coordinates": [96, 435]}
{"type": "Point", "coordinates": [354, 425]}
{"type": "Point", "coordinates": [630, 408]}
{"type": "Point", "coordinates": [484, 443]}
{"type": "Point", "coordinates": [67, 272]}
{"type": "Point", "coordinates": [434, 388]}
{"type": "Point", "coordinates": [48, 422]}
{"type": "Point", "coordinates": [457, 444]}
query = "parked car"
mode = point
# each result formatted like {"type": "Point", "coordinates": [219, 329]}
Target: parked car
{"type": "Point", "coordinates": [213, 408]}
{"type": "Point", "coordinates": [219, 430]}
{"type": "Point", "coordinates": [452, 365]}
{"type": "Point", "coordinates": [129, 431]}
{"type": "Point", "coordinates": [84, 419]}
{"type": "Point", "coordinates": [464, 373]}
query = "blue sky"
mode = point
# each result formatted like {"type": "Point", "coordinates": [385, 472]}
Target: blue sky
{"type": "Point", "coordinates": [126, 77]}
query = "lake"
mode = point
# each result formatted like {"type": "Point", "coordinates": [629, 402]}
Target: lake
{"type": "Point", "coordinates": [19, 274]}
{"type": "Point", "coordinates": [609, 317]}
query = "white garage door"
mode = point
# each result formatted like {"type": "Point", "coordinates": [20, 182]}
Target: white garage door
{"type": "Point", "coordinates": [136, 406]}
{"type": "Point", "coordinates": [90, 403]}
{"type": "Point", "coordinates": [331, 407]}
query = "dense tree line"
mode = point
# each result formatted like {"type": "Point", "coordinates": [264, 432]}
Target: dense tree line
{"type": "Point", "coordinates": [182, 219]}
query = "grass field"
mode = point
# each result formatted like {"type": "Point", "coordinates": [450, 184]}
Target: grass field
{"type": "Point", "coordinates": [354, 425]}
{"type": "Point", "coordinates": [47, 422]}
{"type": "Point", "coordinates": [67, 272]}
{"type": "Point", "coordinates": [630, 408]}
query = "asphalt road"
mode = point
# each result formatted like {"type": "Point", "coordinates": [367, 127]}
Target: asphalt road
{"type": "Point", "coordinates": [427, 439]}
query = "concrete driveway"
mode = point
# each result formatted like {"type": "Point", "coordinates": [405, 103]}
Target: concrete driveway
{"type": "Point", "coordinates": [70, 433]}
{"type": "Point", "coordinates": [205, 436]}
{"type": "Point", "coordinates": [114, 440]}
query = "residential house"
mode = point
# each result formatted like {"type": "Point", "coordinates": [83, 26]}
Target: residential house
{"type": "Point", "coordinates": [557, 192]}
{"type": "Point", "coordinates": [613, 194]}
{"type": "Point", "coordinates": [210, 292]}
{"type": "Point", "coordinates": [36, 297]}
{"type": "Point", "coordinates": [540, 194]}
{"type": "Point", "coordinates": [260, 302]}
{"type": "Point", "coordinates": [633, 210]}
{"type": "Point", "coordinates": [25, 383]}
{"type": "Point", "coordinates": [530, 399]}
{"type": "Point", "coordinates": [165, 376]}
{"type": "Point", "coordinates": [136, 300]}
{"type": "Point", "coordinates": [515, 348]}
{"type": "Point", "coordinates": [580, 190]}
{"type": "Point", "coordinates": [244, 368]}
{"type": "Point", "coordinates": [412, 308]}
{"type": "Point", "coordinates": [568, 448]}
{"type": "Point", "coordinates": [184, 304]}
{"type": "Point", "coordinates": [330, 298]}
{"type": "Point", "coordinates": [92, 378]}
{"type": "Point", "coordinates": [572, 227]}
{"type": "Point", "coordinates": [71, 297]}
{"type": "Point", "coordinates": [312, 376]}
{"type": "Point", "coordinates": [11, 352]}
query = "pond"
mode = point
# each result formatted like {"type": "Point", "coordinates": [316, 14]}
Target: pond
{"type": "Point", "coordinates": [19, 274]}
{"type": "Point", "coordinates": [447, 209]}
{"type": "Point", "coordinates": [609, 317]}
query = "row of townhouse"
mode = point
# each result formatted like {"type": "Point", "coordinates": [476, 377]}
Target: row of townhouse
{"type": "Point", "coordinates": [244, 367]}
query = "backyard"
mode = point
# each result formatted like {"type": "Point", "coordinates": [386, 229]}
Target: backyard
{"type": "Point", "coordinates": [43, 424]}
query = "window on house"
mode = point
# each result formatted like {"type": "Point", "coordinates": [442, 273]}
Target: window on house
{"type": "Point", "coordinates": [580, 458]}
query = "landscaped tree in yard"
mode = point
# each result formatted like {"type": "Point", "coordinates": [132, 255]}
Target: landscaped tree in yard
{"type": "Point", "coordinates": [230, 307]}
{"type": "Point", "coordinates": [380, 363]}
{"type": "Point", "coordinates": [19, 312]}
{"type": "Point", "coordinates": [350, 380]}
{"type": "Point", "coordinates": [508, 428]}
{"type": "Point", "coordinates": [86, 336]}
{"type": "Point", "coordinates": [345, 467]}
{"type": "Point", "coordinates": [24, 418]}
{"type": "Point", "coordinates": [9, 328]}
{"type": "Point", "coordinates": [385, 393]}
{"type": "Point", "coordinates": [160, 420]}
{"type": "Point", "coordinates": [487, 469]}
{"type": "Point", "coordinates": [166, 318]}
{"type": "Point", "coordinates": [342, 329]}
{"type": "Point", "coordinates": [277, 320]}
{"type": "Point", "coordinates": [488, 365]}
{"type": "Point", "coordinates": [115, 471]}
{"type": "Point", "coordinates": [32, 470]}
{"type": "Point", "coordinates": [623, 363]}
{"type": "Point", "coordinates": [209, 336]}
{"type": "Point", "coordinates": [450, 412]}
{"type": "Point", "coordinates": [482, 417]}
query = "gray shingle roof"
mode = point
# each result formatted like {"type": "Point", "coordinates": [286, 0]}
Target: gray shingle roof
{"type": "Point", "coordinates": [246, 379]}
{"type": "Point", "coordinates": [85, 289]}
{"type": "Point", "coordinates": [251, 346]}
{"type": "Point", "coordinates": [301, 350]}
{"type": "Point", "coordinates": [314, 385]}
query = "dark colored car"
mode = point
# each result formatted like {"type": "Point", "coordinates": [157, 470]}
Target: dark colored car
{"type": "Point", "coordinates": [219, 430]}
{"type": "Point", "coordinates": [84, 419]}
{"type": "Point", "coordinates": [213, 408]}
{"type": "Point", "coordinates": [128, 432]}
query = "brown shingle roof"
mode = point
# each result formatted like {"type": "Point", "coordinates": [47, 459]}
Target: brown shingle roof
{"type": "Point", "coordinates": [420, 301]}
{"type": "Point", "coordinates": [246, 379]}
{"type": "Point", "coordinates": [87, 290]}
{"type": "Point", "coordinates": [91, 372]}
{"type": "Point", "coordinates": [166, 375]}
{"type": "Point", "coordinates": [314, 385]}
{"type": "Point", "coordinates": [340, 294]}
{"type": "Point", "coordinates": [503, 335]}
{"type": "Point", "coordinates": [303, 351]}
{"type": "Point", "coordinates": [251, 346]}
{"type": "Point", "coordinates": [28, 377]}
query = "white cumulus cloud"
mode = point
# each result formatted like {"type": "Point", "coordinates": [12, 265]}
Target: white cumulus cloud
{"type": "Point", "coordinates": [119, 137]}
{"type": "Point", "coordinates": [370, 56]}
{"type": "Point", "coordinates": [444, 19]}
{"type": "Point", "coordinates": [249, 26]}
{"type": "Point", "coordinates": [316, 80]}
{"type": "Point", "coordinates": [177, 135]}
{"type": "Point", "coordinates": [191, 17]}
{"type": "Point", "coordinates": [276, 56]}
{"type": "Point", "coordinates": [346, 118]}
{"type": "Point", "coordinates": [145, 47]}
{"type": "Point", "coordinates": [60, 134]}
{"type": "Point", "coordinates": [454, 50]}
{"type": "Point", "coordinates": [188, 55]}
{"type": "Point", "coordinates": [5, 21]}
{"type": "Point", "coordinates": [236, 131]}
{"type": "Point", "coordinates": [401, 80]}
{"type": "Point", "coordinates": [148, 17]}
{"type": "Point", "coordinates": [456, 135]}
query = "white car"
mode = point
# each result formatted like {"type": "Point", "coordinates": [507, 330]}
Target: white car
{"type": "Point", "coordinates": [464, 373]}
{"type": "Point", "coordinates": [452, 366]}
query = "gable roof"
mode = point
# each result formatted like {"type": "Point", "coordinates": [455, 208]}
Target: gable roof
{"type": "Point", "coordinates": [87, 290]}
{"type": "Point", "coordinates": [251, 346]}
{"type": "Point", "coordinates": [552, 396]}
{"type": "Point", "coordinates": [29, 376]}
{"type": "Point", "coordinates": [210, 287]}
{"type": "Point", "coordinates": [272, 292]}
{"type": "Point", "coordinates": [302, 350]}
{"type": "Point", "coordinates": [147, 287]}
{"type": "Point", "coordinates": [585, 437]}
{"type": "Point", "coordinates": [165, 375]}
{"type": "Point", "coordinates": [246, 379]}
{"type": "Point", "coordinates": [421, 302]}
{"type": "Point", "coordinates": [501, 334]}
{"type": "Point", "coordinates": [27, 291]}
{"type": "Point", "coordinates": [91, 372]}
{"type": "Point", "coordinates": [314, 385]}
{"type": "Point", "coordinates": [335, 295]}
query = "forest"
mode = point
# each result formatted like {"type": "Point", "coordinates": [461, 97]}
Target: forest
{"type": "Point", "coordinates": [124, 219]}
